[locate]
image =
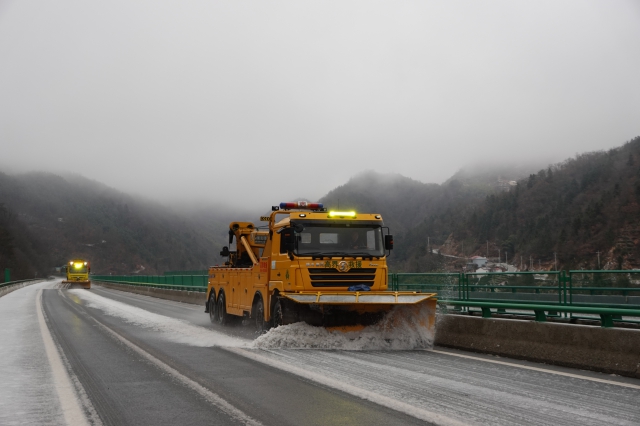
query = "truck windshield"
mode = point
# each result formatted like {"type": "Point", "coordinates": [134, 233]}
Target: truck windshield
{"type": "Point", "coordinates": [78, 268]}
{"type": "Point", "coordinates": [335, 240]}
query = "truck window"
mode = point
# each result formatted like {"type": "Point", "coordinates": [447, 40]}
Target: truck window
{"type": "Point", "coordinates": [328, 238]}
{"type": "Point", "coordinates": [371, 240]}
{"type": "Point", "coordinates": [305, 238]}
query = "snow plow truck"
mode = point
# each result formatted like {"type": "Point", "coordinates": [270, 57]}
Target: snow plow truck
{"type": "Point", "coordinates": [78, 273]}
{"type": "Point", "coordinates": [326, 268]}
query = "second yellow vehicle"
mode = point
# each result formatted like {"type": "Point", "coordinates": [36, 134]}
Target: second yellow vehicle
{"type": "Point", "coordinates": [326, 268]}
{"type": "Point", "coordinates": [78, 273]}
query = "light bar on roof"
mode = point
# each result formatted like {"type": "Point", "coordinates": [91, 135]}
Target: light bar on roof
{"type": "Point", "coordinates": [342, 214]}
{"type": "Point", "coordinates": [301, 205]}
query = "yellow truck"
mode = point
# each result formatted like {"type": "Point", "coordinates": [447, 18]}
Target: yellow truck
{"type": "Point", "coordinates": [326, 268]}
{"type": "Point", "coordinates": [78, 273]}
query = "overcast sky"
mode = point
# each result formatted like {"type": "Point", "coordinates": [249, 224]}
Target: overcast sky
{"type": "Point", "coordinates": [264, 101]}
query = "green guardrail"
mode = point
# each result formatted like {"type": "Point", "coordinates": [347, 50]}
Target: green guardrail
{"type": "Point", "coordinates": [169, 282]}
{"type": "Point", "coordinates": [570, 293]}
{"type": "Point", "coordinates": [607, 315]}
{"type": "Point", "coordinates": [200, 272]}
{"type": "Point", "coordinates": [611, 295]}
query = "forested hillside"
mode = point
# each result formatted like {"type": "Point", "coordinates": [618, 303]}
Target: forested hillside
{"type": "Point", "coordinates": [19, 251]}
{"type": "Point", "coordinates": [64, 217]}
{"type": "Point", "coordinates": [402, 202]}
{"type": "Point", "coordinates": [578, 209]}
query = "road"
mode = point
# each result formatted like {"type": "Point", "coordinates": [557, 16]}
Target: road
{"type": "Point", "coordinates": [129, 359]}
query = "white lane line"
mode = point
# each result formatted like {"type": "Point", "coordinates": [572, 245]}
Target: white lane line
{"type": "Point", "coordinates": [374, 397]}
{"type": "Point", "coordinates": [213, 398]}
{"type": "Point", "coordinates": [67, 393]}
{"type": "Point", "coordinates": [544, 370]}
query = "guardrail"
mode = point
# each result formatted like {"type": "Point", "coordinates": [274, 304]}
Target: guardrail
{"type": "Point", "coordinates": [199, 272]}
{"type": "Point", "coordinates": [613, 296]}
{"type": "Point", "coordinates": [609, 294]}
{"type": "Point", "coordinates": [10, 283]}
{"type": "Point", "coordinates": [169, 282]}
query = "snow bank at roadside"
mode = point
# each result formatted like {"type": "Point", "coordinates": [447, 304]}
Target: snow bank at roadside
{"type": "Point", "coordinates": [400, 329]}
{"type": "Point", "coordinates": [173, 329]}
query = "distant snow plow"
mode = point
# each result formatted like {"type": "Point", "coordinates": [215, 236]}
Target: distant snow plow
{"type": "Point", "coordinates": [78, 273]}
{"type": "Point", "coordinates": [324, 268]}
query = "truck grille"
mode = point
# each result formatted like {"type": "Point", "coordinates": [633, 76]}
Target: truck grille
{"type": "Point", "coordinates": [329, 277]}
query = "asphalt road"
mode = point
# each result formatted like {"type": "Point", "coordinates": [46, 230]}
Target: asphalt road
{"type": "Point", "coordinates": [139, 360]}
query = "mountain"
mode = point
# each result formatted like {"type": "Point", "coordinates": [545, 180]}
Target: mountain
{"type": "Point", "coordinates": [402, 202]}
{"type": "Point", "coordinates": [71, 216]}
{"type": "Point", "coordinates": [568, 215]}
{"type": "Point", "coordinates": [19, 250]}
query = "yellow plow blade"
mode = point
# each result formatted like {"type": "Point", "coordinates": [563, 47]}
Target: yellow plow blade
{"type": "Point", "coordinates": [84, 284]}
{"type": "Point", "coordinates": [397, 307]}
{"type": "Point", "coordinates": [359, 298]}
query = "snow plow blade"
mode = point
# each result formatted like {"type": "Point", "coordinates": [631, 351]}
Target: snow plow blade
{"type": "Point", "coordinates": [358, 298]}
{"type": "Point", "coordinates": [84, 284]}
{"type": "Point", "coordinates": [353, 311]}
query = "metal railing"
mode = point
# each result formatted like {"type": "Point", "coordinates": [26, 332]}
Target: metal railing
{"type": "Point", "coordinates": [10, 283]}
{"type": "Point", "coordinates": [611, 295]}
{"type": "Point", "coordinates": [200, 272]}
{"type": "Point", "coordinates": [608, 296]}
{"type": "Point", "coordinates": [185, 282]}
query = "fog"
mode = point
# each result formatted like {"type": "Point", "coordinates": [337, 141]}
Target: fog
{"type": "Point", "coordinates": [253, 102]}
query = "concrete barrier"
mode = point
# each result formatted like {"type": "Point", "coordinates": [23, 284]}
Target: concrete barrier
{"type": "Point", "coordinates": [193, 297]}
{"type": "Point", "coordinates": [8, 289]}
{"type": "Point", "coordinates": [608, 350]}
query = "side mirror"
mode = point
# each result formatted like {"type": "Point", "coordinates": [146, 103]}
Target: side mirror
{"type": "Point", "coordinates": [388, 242]}
{"type": "Point", "coordinates": [224, 252]}
{"type": "Point", "coordinates": [288, 240]}
{"type": "Point", "coordinates": [231, 234]}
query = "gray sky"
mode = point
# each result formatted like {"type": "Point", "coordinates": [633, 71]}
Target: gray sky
{"type": "Point", "coordinates": [259, 102]}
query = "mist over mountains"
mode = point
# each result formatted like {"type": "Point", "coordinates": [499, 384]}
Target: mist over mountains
{"type": "Point", "coordinates": [50, 219]}
{"type": "Point", "coordinates": [567, 215]}
{"type": "Point", "coordinates": [574, 209]}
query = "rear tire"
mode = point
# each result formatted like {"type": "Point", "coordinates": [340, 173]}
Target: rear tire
{"type": "Point", "coordinates": [221, 310]}
{"type": "Point", "coordinates": [212, 307]}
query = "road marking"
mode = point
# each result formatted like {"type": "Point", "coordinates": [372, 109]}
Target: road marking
{"type": "Point", "coordinates": [374, 397]}
{"type": "Point", "coordinates": [213, 398]}
{"type": "Point", "coordinates": [68, 394]}
{"type": "Point", "coordinates": [544, 370]}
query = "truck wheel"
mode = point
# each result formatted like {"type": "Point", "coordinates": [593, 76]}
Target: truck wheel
{"type": "Point", "coordinates": [258, 312]}
{"type": "Point", "coordinates": [276, 315]}
{"type": "Point", "coordinates": [221, 310]}
{"type": "Point", "coordinates": [212, 307]}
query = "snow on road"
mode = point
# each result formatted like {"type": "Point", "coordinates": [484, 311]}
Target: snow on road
{"type": "Point", "coordinates": [27, 391]}
{"type": "Point", "coordinates": [429, 385]}
{"type": "Point", "coordinates": [172, 329]}
{"type": "Point", "coordinates": [400, 329]}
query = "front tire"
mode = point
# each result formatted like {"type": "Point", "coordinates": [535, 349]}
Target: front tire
{"type": "Point", "coordinates": [258, 313]}
{"type": "Point", "coordinates": [276, 315]}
